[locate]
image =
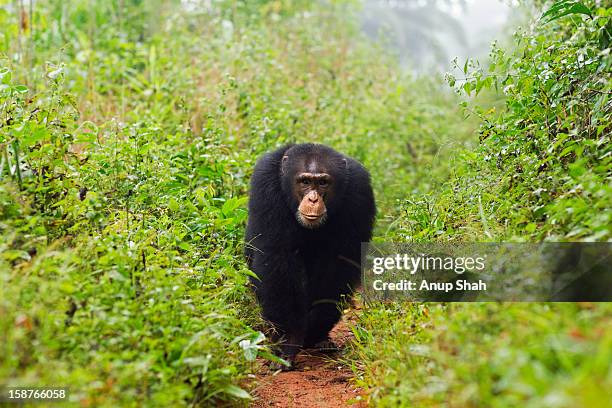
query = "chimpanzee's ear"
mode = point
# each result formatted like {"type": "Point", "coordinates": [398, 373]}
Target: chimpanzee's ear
{"type": "Point", "coordinates": [284, 163]}
{"type": "Point", "coordinates": [345, 163]}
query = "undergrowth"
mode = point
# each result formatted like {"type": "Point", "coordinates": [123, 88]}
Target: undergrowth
{"type": "Point", "coordinates": [541, 172]}
{"type": "Point", "coordinates": [128, 131]}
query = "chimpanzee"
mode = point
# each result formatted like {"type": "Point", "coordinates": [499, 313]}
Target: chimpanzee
{"type": "Point", "coordinates": [310, 208]}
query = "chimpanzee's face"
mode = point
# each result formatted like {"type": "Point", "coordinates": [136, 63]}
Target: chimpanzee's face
{"type": "Point", "coordinates": [312, 186]}
{"type": "Point", "coordinates": [311, 190]}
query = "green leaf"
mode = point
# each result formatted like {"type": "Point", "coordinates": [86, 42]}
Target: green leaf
{"type": "Point", "coordinates": [235, 391]}
{"type": "Point", "coordinates": [197, 361]}
{"type": "Point", "coordinates": [567, 150]}
{"type": "Point", "coordinates": [564, 8]}
{"type": "Point", "coordinates": [232, 204]}
{"type": "Point", "coordinates": [467, 87]}
{"type": "Point", "coordinates": [173, 204]}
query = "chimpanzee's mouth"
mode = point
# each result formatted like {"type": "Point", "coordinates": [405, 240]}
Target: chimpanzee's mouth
{"type": "Point", "coordinates": [311, 217]}
{"type": "Point", "coordinates": [311, 220]}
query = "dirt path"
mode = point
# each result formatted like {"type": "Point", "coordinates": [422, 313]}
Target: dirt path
{"type": "Point", "coordinates": [318, 380]}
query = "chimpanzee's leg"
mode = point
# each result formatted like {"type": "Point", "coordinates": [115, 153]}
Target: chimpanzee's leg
{"type": "Point", "coordinates": [321, 319]}
{"type": "Point", "coordinates": [333, 283]}
{"type": "Point", "coordinates": [281, 292]}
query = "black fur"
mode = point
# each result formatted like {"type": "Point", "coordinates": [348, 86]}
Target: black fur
{"type": "Point", "coordinates": [304, 273]}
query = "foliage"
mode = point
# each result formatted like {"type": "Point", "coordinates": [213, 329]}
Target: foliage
{"type": "Point", "coordinates": [540, 172]}
{"type": "Point", "coordinates": [128, 131]}
{"type": "Point", "coordinates": [119, 252]}
{"type": "Point", "coordinates": [486, 354]}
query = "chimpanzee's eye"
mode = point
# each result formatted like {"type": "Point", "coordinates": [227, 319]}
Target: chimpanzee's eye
{"type": "Point", "coordinates": [305, 182]}
{"type": "Point", "coordinates": [323, 183]}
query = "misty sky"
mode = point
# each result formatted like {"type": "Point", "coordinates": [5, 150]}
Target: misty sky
{"type": "Point", "coordinates": [426, 36]}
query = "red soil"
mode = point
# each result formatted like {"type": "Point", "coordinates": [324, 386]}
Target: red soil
{"type": "Point", "coordinates": [317, 380]}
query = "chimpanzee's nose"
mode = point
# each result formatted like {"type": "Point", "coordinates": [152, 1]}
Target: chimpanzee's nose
{"type": "Point", "coordinates": [313, 197]}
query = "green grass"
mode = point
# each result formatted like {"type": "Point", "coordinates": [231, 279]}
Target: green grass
{"type": "Point", "coordinates": [540, 172]}
{"type": "Point", "coordinates": [121, 266]}
{"type": "Point", "coordinates": [127, 138]}
{"type": "Point", "coordinates": [486, 354]}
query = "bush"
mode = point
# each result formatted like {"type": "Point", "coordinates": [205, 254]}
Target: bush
{"type": "Point", "coordinates": [128, 137]}
{"type": "Point", "coordinates": [540, 172]}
